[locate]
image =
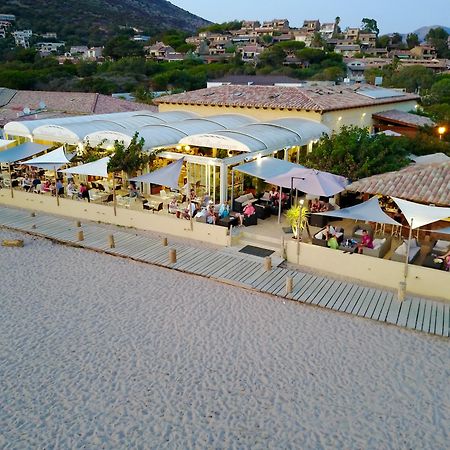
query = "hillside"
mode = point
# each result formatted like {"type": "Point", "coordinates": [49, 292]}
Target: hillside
{"type": "Point", "coordinates": [423, 31]}
{"type": "Point", "coordinates": [92, 21]}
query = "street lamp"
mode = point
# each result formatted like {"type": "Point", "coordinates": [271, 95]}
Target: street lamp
{"type": "Point", "coordinates": [441, 131]}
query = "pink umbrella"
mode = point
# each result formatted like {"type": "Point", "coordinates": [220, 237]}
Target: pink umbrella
{"type": "Point", "coordinates": [311, 181]}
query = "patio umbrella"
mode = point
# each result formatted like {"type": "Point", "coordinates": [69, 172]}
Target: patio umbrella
{"type": "Point", "coordinates": [311, 181]}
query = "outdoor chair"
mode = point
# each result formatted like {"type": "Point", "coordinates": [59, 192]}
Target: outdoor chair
{"type": "Point", "coordinates": [380, 247]}
{"type": "Point", "coordinates": [153, 206]}
{"type": "Point", "coordinates": [358, 229]}
{"type": "Point", "coordinates": [250, 220]}
{"type": "Point", "coordinates": [400, 252]}
{"type": "Point", "coordinates": [441, 247]}
{"type": "Point", "coordinates": [262, 211]}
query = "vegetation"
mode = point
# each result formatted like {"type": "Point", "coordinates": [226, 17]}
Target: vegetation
{"type": "Point", "coordinates": [438, 38]}
{"type": "Point", "coordinates": [297, 216]}
{"type": "Point", "coordinates": [129, 159]}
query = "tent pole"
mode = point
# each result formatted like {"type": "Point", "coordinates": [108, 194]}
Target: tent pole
{"type": "Point", "coordinates": [188, 197]}
{"type": "Point", "coordinates": [10, 180]}
{"type": "Point", "coordinates": [56, 189]}
{"type": "Point", "coordinates": [114, 195]}
{"type": "Point", "coordinates": [279, 205]}
{"type": "Point", "coordinates": [407, 250]}
{"type": "Point", "coordinates": [232, 189]}
{"type": "Point", "coordinates": [298, 232]}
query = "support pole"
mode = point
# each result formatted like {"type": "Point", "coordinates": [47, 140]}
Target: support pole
{"type": "Point", "coordinates": [172, 256]}
{"type": "Point", "coordinates": [114, 195]}
{"type": "Point", "coordinates": [10, 180]}
{"type": "Point", "coordinates": [298, 230]}
{"type": "Point", "coordinates": [80, 236]}
{"type": "Point", "coordinates": [267, 263]}
{"type": "Point", "coordinates": [111, 242]}
{"type": "Point", "coordinates": [164, 242]}
{"type": "Point", "coordinates": [232, 188]}
{"type": "Point", "coordinates": [408, 247]}
{"type": "Point", "coordinates": [56, 189]}
{"type": "Point", "coordinates": [279, 204]}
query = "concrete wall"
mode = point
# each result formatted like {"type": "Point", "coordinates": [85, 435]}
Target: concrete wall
{"type": "Point", "coordinates": [144, 220]}
{"type": "Point", "coordinates": [421, 281]}
{"type": "Point", "coordinates": [361, 117]}
{"type": "Point", "coordinates": [260, 114]}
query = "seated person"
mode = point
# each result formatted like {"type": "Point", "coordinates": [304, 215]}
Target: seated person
{"type": "Point", "coordinates": [26, 184]}
{"type": "Point", "coordinates": [53, 188]}
{"type": "Point", "coordinates": [273, 194]}
{"type": "Point", "coordinates": [84, 192]}
{"type": "Point", "coordinates": [446, 259]}
{"type": "Point", "coordinates": [173, 206]}
{"type": "Point", "coordinates": [328, 232]}
{"type": "Point", "coordinates": [224, 210]}
{"type": "Point", "coordinates": [210, 215]}
{"type": "Point", "coordinates": [315, 205]}
{"type": "Point", "coordinates": [36, 182]}
{"type": "Point", "coordinates": [46, 187]}
{"type": "Point", "coordinates": [324, 206]}
{"type": "Point", "coordinates": [71, 189]}
{"type": "Point", "coordinates": [249, 210]}
{"type": "Point", "coordinates": [366, 241]}
{"type": "Point", "coordinates": [133, 192]}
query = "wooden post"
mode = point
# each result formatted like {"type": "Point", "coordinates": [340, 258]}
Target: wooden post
{"type": "Point", "coordinates": [164, 242]}
{"type": "Point", "coordinates": [267, 263]}
{"type": "Point", "coordinates": [10, 180]}
{"type": "Point", "coordinates": [80, 236]}
{"type": "Point", "coordinates": [33, 214]}
{"type": "Point", "coordinates": [289, 285]}
{"type": "Point", "coordinates": [401, 291]}
{"type": "Point", "coordinates": [114, 195]}
{"type": "Point", "coordinates": [78, 224]}
{"type": "Point", "coordinates": [111, 242]}
{"type": "Point", "coordinates": [172, 256]}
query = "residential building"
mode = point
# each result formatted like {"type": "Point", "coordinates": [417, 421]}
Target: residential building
{"type": "Point", "coordinates": [140, 38]}
{"type": "Point", "coordinates": [304, 36]}
{"type": "Point", "coordinates": [46, 48]}
{"type": "Point", "coordinates": [249, 25]}
{"type": "Point", "coordinates": [311, 26]}
{"type": "Point", "coordinates": [78, 50]}
{"type": "Point", "coordinates": [256, 80]}
{"type": "Point", "coordinates": [49, 35]}
{"type": "Point", "coordinates": [93, 54]}
{"type": "Point", "coordinates": [352, 34]}
{"type": "Point", "coordinates": [367, 40]}
{"type": "Point", "coordinates": [328, 30]}
{"type": "Point", "coordinates": [250, 53]}
{"type": "Point", "coordinates": [7, 17]}
{"type": "Point", "coordinates": [424, 51]}
{"type": "Point", "coordinates": [159, 50]}
{"type": "Point", "coordinates": [347, 50]}
{"type": "Point", "coordinates": [2, 33]}
{"type": "Point", "coordinates": [22, 38]}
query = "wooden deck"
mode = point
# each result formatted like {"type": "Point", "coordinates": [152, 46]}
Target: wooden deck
{"type": "Point", "coordinates": [235, 268]}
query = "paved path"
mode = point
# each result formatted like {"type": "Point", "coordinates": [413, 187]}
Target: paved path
{"type": "Point", "coordinates": [238, 269]}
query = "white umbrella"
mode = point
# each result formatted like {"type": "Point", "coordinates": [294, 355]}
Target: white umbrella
{"type": "Point", "coordinates": [311, 181]}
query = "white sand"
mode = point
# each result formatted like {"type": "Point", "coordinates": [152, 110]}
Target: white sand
{"type": "Point", "coordinates": [100, 352]}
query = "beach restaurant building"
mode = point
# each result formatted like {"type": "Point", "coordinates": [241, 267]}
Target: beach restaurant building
{"type": "Point", "coordinates": [218, 128]}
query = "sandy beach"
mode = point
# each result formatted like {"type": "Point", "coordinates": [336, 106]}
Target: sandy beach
{"type": "Point", "coordinates": [102, 352]}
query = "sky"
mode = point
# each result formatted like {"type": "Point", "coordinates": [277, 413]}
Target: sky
{"type": "Point", "coordinates": [401, 16]}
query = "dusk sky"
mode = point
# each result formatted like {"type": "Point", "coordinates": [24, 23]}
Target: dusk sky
{"type": "Point", "coordinates": [392, 15]}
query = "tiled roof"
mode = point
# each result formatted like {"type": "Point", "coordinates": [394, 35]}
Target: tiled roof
{"type": "Point", "coordinates": [423, 183]}
{"type": "Point", "coordinates": [404, 118]}
{"type": "Point", "coordinates": [59, 104]}
{"type": "Point", "coordinates": [284, 97]}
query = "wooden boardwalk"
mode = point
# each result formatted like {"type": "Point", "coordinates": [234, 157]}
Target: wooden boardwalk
{"type": "Point", "coordinates": [416, 313]}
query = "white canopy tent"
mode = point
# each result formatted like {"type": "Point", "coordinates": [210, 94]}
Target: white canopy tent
{"type": "Point", "coordinates": [443, 230]}
{"type": "Point", "coordinates": [51, 160]}
{"type": "Point", "coordinates": [166, 176]}
{"type": "Point", "coordinates": [368, 211]}
{"type": "Point", "coordinates": [97, 168]}
{"type": "Point", "coordinates": [419, 215]}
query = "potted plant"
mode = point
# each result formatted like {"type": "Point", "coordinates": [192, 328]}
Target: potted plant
{"type": "Point", "coordinates": [297, 217]}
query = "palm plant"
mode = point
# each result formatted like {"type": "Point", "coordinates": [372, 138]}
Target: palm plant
{"type": "Point", "coordinates": [297, 217]}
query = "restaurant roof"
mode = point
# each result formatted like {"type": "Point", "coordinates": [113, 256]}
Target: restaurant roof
{"type": "Point", "coordinates": [404, 118]}
{"type": "Point", "coordinates": [320, 99]}
{"type": "Point", "coordinates": [423, 183]}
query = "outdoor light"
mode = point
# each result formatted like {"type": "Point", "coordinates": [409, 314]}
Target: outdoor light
{"type": "Point", "coordinates": [339, 118]}
{"type": "Point", "coordinates": [302, 201]}
{"type": "Point", "coordinates": [187, 147]}
{"type": "Point", "coordinates": [179, 147]}
{"type": "Point", "coordinates": [364, 114]}
{"type": "Point", "coordinates": [441, 131]}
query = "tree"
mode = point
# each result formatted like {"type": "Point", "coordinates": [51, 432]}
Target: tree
{"type": "Point", "coordinates": [438, 38]}
{"type": "Point", "coordinates": [383, 41]}
{"type": "Point", "coordinates": [337, 28]}
{"type": "Point", "coordinates": [121, 46]}
{"type": "Point", "coordinates": [355, 153]}
{"type": "Point", "coordinates": [318, 41]}
{"type": "Point", "coordinates": [412, 40]}
{"type": "Point", "coordinates": [396, 38]}
{"type": "Point", "coordinates": [128, 159]}
{"type": "Point", "coordinates": [370, 26]}
{"type": "Point", "coordinates": [413, 78]}
{"type": "Point", "coordinates": [440, 91]}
